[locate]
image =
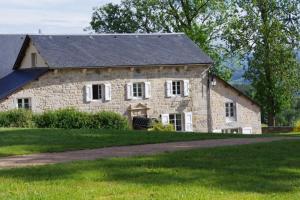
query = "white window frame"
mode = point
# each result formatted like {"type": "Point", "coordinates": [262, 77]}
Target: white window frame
{"type": "Point", "coordinates": [176, 90]}
{"type": "Point", "coordinates": [23, 103]}
{"type": "Point", "coordinates": [176, 115]}
{"type": "Point", "coordinates": [230, 111]}
{"type": "Point", "coordinates": [142, 87]}
{"type": "Point", "coordinates": [101, 94]}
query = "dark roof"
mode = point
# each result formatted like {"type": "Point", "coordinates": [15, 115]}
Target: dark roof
{"type": "Point", "coordinates": [109, 50]}
{"type": "Point", "coordinates": [17, 79]}
{"type": "Point", "coordinates": [10, 46]}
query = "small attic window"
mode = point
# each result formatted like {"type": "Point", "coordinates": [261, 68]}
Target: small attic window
{"type": "Point", "coordinates": [33, 59]}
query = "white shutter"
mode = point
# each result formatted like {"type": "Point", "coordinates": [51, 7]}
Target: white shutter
{"type": "Point", "coordinates": [168, 88]}
{"type": "Point", "coordinates": [186, 88]}
{"type": "Point", "coordinates": [165, 119]}
{"type": "Point", "coordinates": [147, 90]}
{"type": "Point", "coordinates": [188, 121]}
{"type": "Point", "coordinates": [88, 93]}
{"type": "Point", "coordinates": [129, 90]}
{"type": "Point", "coordinates": [107, 91]}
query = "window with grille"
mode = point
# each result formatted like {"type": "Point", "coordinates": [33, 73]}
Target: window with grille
{"type": "Point", "coordinates": [176, 120]}
{"type": "Point", "coordinates": [24, 103]}
{"type": "Point", "coordinates": [230, 111]}
{"type": "Point", "coordinates": [138, 91]}
{"type": "Point", "coordinates": [176, 87]}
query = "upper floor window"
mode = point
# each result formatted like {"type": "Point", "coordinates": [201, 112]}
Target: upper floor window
{"type": "Point", "coordinates": [33, 59]}
{"type": "Point", "coordinates": [24, 103]}
{"type": "Point", "coordinates": [176, 87]}
{"type": "Point", "coordinates": [230, 111]}
{"type": "Point", "coordinates": [97, 92]}
{"type": "Point", "coordinates": [138, 91]}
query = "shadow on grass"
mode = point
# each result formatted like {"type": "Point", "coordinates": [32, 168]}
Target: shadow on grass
{"type": "Point", "coordinates": [261, 168]}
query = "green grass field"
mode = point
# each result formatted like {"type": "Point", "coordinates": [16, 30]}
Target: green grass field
{"type": "Point", "coordinates": [259, 172]}
{"type": "Point", "coordinates": [28, 141]}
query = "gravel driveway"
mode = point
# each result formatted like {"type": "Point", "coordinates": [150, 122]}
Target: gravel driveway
{"type": "Point", "coordinates": [127, 151]}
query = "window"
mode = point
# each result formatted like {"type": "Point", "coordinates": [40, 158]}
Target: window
{"type": "Point", "coordinates": [176, 88]}
{"type": "Point", "coordinates": [137, 90]}
{"type": "Point", "coordinates": [97, 92]}
{"type": "Point", "coordinates": [232, 130]}
{"type": "Point", "coordinates": [33, 60]}
{"type": "Point", "coordinates": [230, 110]}
{"type": "Point", "coordinates": [24, 103]}
{"type": "Point", "coordinates": [176, 120]}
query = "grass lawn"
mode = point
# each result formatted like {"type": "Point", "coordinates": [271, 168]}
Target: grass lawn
{"type": "Point", "coordinates": [28, 141]}
{"type": "Point", "coordinates": [258, 171]}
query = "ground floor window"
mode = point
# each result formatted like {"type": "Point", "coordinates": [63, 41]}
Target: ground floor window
{"type": "Point", "coordinates": [176, 120]}
{"type": "Point", "coordinates": [24, 103]}
{"type": "Point", "coordinates": [231, 130]}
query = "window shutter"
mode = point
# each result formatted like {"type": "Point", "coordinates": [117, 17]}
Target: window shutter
{"type": "Point", "coordinates": [165, 119]}
{"type": "Point", "coordinates": [168, 88]}
{"type": "Point", "coordinates": [107, 91]}
{"type": "Point", "coordinates": [186, 88]}
{"type": "Point", "coordinates": [129, 90]}
{"type": "Point", "coordinates": [147, 90]}
{"type": "Point", "coordinates": [88, 93]}
{"type": "Point", "coordinates": [188, 121]}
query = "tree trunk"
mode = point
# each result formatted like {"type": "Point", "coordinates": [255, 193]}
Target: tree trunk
{"type": "Point", "coordinates": [271, 119]}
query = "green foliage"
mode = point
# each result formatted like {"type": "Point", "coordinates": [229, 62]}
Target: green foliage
{"type": "Point", "coordinates": [68, 118]}
{"type": "Point", "coordinates": [266, 171]}
{"type": "Point", "coordinates": [158, 126]}
{"type": "Point", "coordinates": [201, 20]}
{"type": "Point", "coordinates": [289, 116]}
{"type": "Point", "coordinates": [109, 120]}
{"type": "Point", "coordinates": [20, 141]}
{"type": "Point", "coordinates": [297, 126]}
{"type": "Point", "coordinates": [16, 118]}
{"type": "Point", "coordinates": [268, 36]}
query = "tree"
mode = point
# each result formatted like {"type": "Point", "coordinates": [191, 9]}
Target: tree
{"type": "Point", "coordinates": [201, 20]}
{"type": "Point", "coordinates": [267, 33]}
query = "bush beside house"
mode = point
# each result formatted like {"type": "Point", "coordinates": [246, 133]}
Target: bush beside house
{"type": "Point", "coordinates": [297, 126]}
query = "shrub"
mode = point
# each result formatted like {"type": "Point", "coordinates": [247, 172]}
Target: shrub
{"type": "Point", "coordinates": [297, 126]}
{"type": "Point", "coordinates": [158, 126]}
{"type": "Point", "coordinates": [69, 118]}
{"type": "Point", "coordinates": [109, 120]}
{"type": "Point", "coordinates": [16, 118]}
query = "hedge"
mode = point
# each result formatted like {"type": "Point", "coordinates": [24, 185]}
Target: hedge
{"type": "Point", "coordinates": [68, 118]}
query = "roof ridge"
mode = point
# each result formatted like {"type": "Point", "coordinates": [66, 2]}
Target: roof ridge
{"type": "Point", "coordinates": [108, 34]}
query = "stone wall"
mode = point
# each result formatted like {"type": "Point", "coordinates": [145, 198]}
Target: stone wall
{"type": "Point", "coordinates": [247, 112]}
{"type": "Point", "coordinates": [65, 88]}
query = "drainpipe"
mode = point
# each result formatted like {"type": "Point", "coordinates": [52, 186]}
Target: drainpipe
{"type": "Point", "coordinates": [211, 81]}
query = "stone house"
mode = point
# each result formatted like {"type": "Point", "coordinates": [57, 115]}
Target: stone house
{"type": "Point", "coordinates": [162, 76]}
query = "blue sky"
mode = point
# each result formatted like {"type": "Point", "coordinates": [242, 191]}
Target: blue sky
{"type": "Point", "coordinates": [51, 16]}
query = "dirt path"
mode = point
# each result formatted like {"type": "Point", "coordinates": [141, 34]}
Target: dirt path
{"type": "Point", "coordinates": [127, 151]}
